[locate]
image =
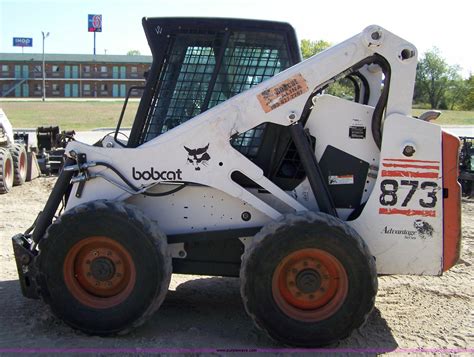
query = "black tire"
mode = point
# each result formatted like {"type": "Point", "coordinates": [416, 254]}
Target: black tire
{"type": "Point", "coordinates": [20, 164]}
{"type": "Point", "coordinates": [104, 267]}
{"type": "Point", "coordinates": [6, 171]}
{"type": "Point", "coordinates": [316, 312]}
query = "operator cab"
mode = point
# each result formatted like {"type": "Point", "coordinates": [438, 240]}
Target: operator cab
{"type": "Point", "coordinates": [201, 62]}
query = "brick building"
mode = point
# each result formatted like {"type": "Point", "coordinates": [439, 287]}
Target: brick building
{"type": "Point", "coordinates": [70, 75]}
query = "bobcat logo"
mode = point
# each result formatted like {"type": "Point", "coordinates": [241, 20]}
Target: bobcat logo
{"type": "Point", "coordinates": [198, 157]}
{"type": "Point", "coordinates": [424, 229]}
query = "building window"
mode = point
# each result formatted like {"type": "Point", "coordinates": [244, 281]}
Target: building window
{"type": "Point", "coordinates": [87, 69]}
{"type": "Point", "coordinates": [38, 87]}
{"type": "Point", "coordinates": [5, 88]}
{"type": "Point", "coordinates": [87, 87]}
{"type": "Point", "coordinates": [4, 67]}
{"type": "Point", "coordinates": [37, 69]}
{"type": "Point", "coordinates": [103, 69]}
{"type": "Point", "coordinates": [55, 68]}
{"type": "Point", "coordinates": [103, 87]}
{"type": "Point", "coordinates": [134, 69]}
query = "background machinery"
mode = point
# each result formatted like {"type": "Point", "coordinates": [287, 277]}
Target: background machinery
{"type": "Point", "coordinates": [239, 164]}
{"type": "Point", "coordinates": [13, 157]}
{"type": "Point", "coordinates": [466, 165]}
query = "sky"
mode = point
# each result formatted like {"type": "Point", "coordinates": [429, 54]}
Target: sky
{"type": "Point", "coordinates": [425, 23]}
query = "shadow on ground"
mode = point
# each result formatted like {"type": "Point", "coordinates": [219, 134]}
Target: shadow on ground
{"type": "Point", "coordinates": [200, 313]}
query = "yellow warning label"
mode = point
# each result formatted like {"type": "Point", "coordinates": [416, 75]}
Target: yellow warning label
{"type": "Point", "coordinates": [282, 93]}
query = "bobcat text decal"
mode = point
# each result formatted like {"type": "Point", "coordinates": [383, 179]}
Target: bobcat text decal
{"type": "Point", "coordinates": [198, 157]}
{"type": "Point", "coordinates": [156, 175]}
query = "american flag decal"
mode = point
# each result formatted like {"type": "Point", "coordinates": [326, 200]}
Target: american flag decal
{"type": "Point", "coordinates": [410, 168]}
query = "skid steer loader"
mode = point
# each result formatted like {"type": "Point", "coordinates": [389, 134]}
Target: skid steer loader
{"type": "Point", "coordinates": [240, 164]}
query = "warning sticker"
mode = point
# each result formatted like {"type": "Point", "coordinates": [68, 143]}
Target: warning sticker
{"type": "Point", "coordinates": [282, 93]}
{"type": "Point", "coordinates": [341, 180]}
{"type": "Point", "coordinates": [357, 132]}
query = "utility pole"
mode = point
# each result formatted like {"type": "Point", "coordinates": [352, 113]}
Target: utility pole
{"type": "Point", "coordinates": [44, 69]}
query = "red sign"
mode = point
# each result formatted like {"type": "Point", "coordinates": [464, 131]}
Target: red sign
{"type": "Point", "coordinates": [94, 23]}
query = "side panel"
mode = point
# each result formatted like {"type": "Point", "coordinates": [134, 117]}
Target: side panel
{"type": "Point", "coordinates": [402, 222]}
{"type": "Point", "coordinates": [197, 209]}
{"type": "Point", "coordinates": [451, 201]}
{"type": "Point", "coordinates": [346, 126]}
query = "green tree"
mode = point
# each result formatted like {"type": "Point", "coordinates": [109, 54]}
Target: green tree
{"type": "Point", "coordinates": [343, 88]}
{"type": "Point", "coordinates": [433, 78]}
{"type": "Point", "coordinates": [310, 48]}
{"type": "Point", "coordinates": [468, 102]}
{"type": "Point", "coordinates": [133, 53]}
{"type": "Point", "coordinates": [456, 92]}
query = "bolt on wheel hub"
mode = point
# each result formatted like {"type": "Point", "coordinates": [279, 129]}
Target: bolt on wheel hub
{"type": "Point", "coordinates": [99, 272]}
{"type": "Point", "coordinates": [309, 284]}
{"type": "Point", "coordinates": [102, 269]}
{"type": "Point", "coordinates": [308, 281]}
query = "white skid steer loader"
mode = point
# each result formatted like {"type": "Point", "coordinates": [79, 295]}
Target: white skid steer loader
{"type": "Point", "coordinates": [240, 163]}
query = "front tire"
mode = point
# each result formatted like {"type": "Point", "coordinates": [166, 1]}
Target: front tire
{"type": "Point", "coordinates": [308, 280]}
{"type": "Point", "coordinates": [104, 267]}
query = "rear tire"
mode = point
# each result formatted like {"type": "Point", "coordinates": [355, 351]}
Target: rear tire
{"type": "Point", "coordinates": [20, 163]}
{"type": "Point", "coordinates": [6, 171]}
{"type": "Point", "coordinates": [308, 280]}
{"type": "Point", "coordinates": [104, 267]}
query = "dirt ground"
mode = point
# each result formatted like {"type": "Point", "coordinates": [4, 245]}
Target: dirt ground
{"type": "Point", "coordinates": [431, 313]}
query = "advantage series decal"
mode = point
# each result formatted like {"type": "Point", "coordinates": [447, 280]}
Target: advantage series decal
{"type": "Point", "coordinates": [404, 177]}
{"type": "Point", "coordinates": [422, 230]}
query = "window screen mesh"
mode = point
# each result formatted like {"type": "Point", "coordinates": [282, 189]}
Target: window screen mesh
{"type": "Point", "coordinates": [191, 80]}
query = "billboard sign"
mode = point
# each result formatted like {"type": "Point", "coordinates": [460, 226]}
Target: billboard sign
{"type": "Point", "coordinates": [22, 42]}
{"type": "Point", "coordinates": [94, 23]}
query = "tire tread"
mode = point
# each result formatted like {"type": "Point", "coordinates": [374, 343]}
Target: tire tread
{"type": "Point", "coordinates": [308, 217]}
{"type": "Point", "coordinates": [132, 213]}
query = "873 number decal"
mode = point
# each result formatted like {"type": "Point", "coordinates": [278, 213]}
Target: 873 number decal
{"type": "Point", "coordinates": [390, 195]}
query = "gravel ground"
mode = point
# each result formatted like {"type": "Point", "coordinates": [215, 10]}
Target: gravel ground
{"type": "Point", "coordinates": [201, 312]}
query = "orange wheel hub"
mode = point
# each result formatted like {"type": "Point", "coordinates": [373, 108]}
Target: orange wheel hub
{"type": "Point", "coordinates": [309, 285]}
{"type": "Point", "coordinates": [99, 272]}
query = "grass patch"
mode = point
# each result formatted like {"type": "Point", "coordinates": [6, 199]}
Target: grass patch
{"type": "Point", "coordinates": [450, 117]}
{"type": "Point", "coordinates": [86, 115]}
{"type": "Point", "coordinates": [80, 115]}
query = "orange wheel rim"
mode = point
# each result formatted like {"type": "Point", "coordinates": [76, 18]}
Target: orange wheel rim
{"type": "Point", "coordinates": [309, 285]}
{"type": "Point", "coordinates": [99, 272]}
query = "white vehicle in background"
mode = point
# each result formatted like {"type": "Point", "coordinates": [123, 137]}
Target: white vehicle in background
{"type": "Point", "coordinates": [13, 158]}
